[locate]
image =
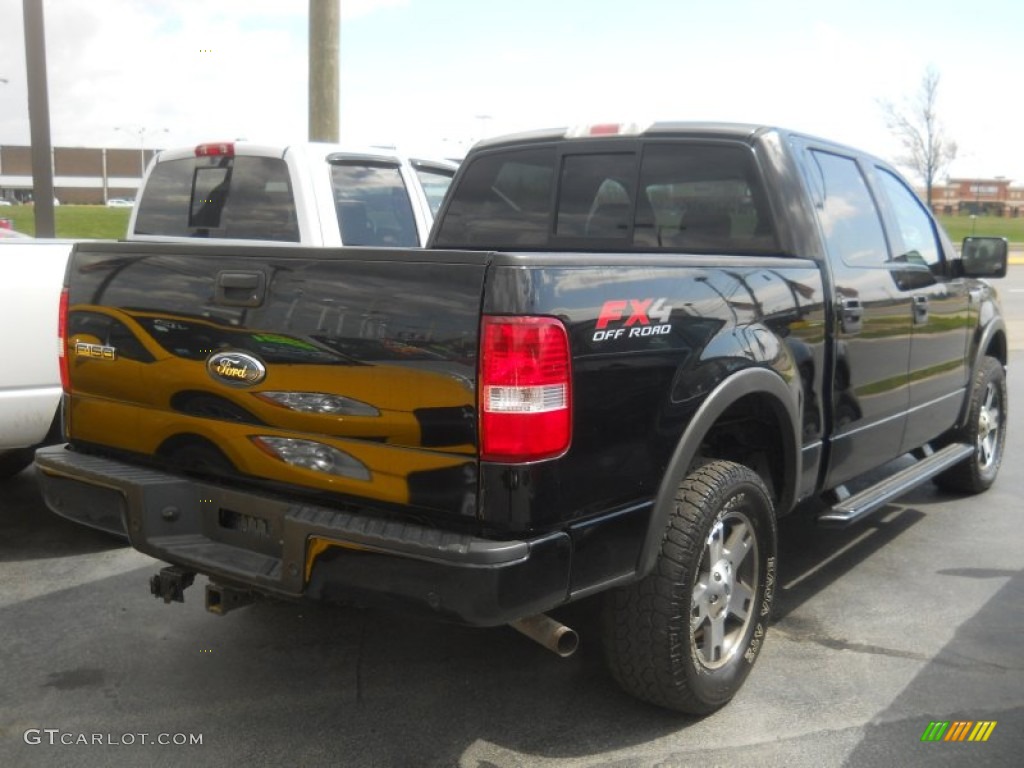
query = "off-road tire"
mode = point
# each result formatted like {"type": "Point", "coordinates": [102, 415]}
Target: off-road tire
{"type": "Point", "coordinates": [657, 644]}
{"type": "Point", "coordinates": [12, 462]}
{"type": "Point", "coordinates": [985, 429]}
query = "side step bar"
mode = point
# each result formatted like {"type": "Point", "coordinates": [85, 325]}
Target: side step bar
{"type": "Point", "coordinates": [854, 508]}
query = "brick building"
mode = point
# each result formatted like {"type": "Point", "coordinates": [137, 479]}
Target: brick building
{"type": "Point", "coordinates": [983, 197]}
{"type": "Point", "coordinates": [81, 175]}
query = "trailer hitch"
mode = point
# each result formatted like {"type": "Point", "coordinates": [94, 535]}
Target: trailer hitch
{"type": "Point", "coordinates": [220, 598]}
{"type": "Point", "coordinates": [171, 583]}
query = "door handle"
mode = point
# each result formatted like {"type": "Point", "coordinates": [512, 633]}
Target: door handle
{"type": "Point", "coordinates": [920, 309]}
{"type": "Point", "coordinates": [236, 288]}
{"type": "Point", "coordinates": [851, 315]}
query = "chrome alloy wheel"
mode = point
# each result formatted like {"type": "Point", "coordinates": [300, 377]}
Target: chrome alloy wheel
{"type": "Point", "coordinates": [723, 592]}
{"type": "Point", "coordinates": [989, 424]}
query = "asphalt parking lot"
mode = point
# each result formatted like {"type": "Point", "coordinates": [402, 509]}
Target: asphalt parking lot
{"type": "Point", "coordinates": [913, 617]}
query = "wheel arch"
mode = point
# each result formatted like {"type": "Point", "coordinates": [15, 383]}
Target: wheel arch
{"type": "Point", "coordinates": [991, 343]}
{"type": "Point", "coordinates": [749, 387]}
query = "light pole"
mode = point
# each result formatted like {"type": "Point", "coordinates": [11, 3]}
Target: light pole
{"type": "Point", "coordinates": [142, 131]}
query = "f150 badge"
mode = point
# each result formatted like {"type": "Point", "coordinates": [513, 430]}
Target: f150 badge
{"type": "Point", "coordinates": [95, 351]}
{"type": "Point", "coordinates": [236, 368]}
{"type": "Point", "coordinates": [636, 316]}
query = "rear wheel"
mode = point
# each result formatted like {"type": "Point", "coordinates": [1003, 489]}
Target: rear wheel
{"type": "Point", "coordinates": [985, 430]}
{"type": "Point", "coordinates": [686, 636]}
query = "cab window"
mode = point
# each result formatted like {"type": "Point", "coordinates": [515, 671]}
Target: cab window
{"type": "Point", "coordinates": [435, 183]}
{"type": "Point", "coordinates": [846, 211]}
{"type": "Point", "coordinates": [918, 243]}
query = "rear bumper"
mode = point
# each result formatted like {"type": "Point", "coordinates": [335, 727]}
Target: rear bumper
{"type": "Point", "coordinates": [296, 550]}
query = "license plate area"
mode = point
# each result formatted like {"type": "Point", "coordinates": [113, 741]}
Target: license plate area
{"type": "Point", "coordinates": [229, 521]}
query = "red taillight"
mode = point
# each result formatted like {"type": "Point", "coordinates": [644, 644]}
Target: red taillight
{"type": "Point", "coordinates": [605, 129]}
{"type": "Point", "coordinates": [216, 149]}
{"type": "Point", "coordinates": [525, 389]}
{"type": "Point", "coordinates": [62, 342]}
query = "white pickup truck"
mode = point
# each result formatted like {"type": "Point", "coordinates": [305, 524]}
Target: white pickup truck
{"type": "Point", "coordinates": [306, 194]}
{"type": "Point", "coordinates": [233, 192]}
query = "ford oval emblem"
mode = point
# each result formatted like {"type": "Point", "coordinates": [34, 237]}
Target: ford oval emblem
{"type": "Point", "coordinates": [236, 368]}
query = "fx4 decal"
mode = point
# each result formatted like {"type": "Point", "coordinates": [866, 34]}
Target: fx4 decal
{"type": "Point", "coordinates": [632, 318]}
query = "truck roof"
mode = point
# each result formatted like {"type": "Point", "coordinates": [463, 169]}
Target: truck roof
{"type": "Point", "coordinates": [310, 148]}
{"type": "Point", "coordinates": [612, 129]}
{"type": "Point", "coordinates": [746, 132]}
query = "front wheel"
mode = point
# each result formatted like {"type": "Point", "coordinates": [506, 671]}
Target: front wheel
{"type": "Point", "coordinates": [686, 636]}
{"type": "Point", "coordinates": [985, 430]}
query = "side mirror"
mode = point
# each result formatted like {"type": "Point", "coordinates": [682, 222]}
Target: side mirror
{"type": "Point", "coordinates": [984, 257]}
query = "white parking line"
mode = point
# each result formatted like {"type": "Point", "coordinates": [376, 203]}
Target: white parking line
{"type": "Point", "coordinates": [21, 580]}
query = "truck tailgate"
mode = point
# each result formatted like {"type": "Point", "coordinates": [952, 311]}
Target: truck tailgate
{"type": "Point", "coordinates": [348, 374]}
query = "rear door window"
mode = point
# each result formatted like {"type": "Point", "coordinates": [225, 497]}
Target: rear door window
{"type": "Point", "coordinates": [373, 204]}
{"type": "Point", "coordinates": [219, 197]}
{"type": "Point", "coordinates": [846, 210]}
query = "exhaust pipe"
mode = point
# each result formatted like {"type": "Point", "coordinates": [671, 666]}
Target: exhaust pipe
{"type": "Point", "coordinates": [552, 634]}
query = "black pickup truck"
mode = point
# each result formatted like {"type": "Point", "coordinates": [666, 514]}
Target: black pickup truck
{"type": "Point", "coordinates": [625, 353]}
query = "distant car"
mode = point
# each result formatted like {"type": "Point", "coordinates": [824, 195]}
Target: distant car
{"type": "Point", "coordinates": [5, 202]}
{"type": "Point", "coordinates": [120, 202]}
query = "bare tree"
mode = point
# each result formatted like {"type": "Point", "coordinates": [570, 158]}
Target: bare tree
{"type": "Point", "coordinates": [916, 124]}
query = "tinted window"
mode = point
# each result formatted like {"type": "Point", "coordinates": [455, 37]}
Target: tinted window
{"type": "Point", "coordinates": [847, 212]}
{"type": "Point", "coordinates": [373, 205]}
{"type": "Point", "coordinates": [209, 192]}
{"type": "Point", "coordinates": [595, 196]}
{"type": "Point", "coordinates": [219, 197]}
{"type": "Point", "coordinates": [917, 234]}
{"type": "Point", "coordinates": [698, 197]}
{"type": "Point", "coordinates": [689, 197]}
{"type": "Point", "coordinates": [502, 201]}
{"type": "Point", "coordinates": [435, 183]}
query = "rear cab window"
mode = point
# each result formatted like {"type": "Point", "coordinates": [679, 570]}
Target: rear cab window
{"type": "Point", "coordinates": [221, 197]}
{"type": "Point", "coordinates": [680, 196]}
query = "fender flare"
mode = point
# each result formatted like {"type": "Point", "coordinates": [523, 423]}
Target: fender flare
{"type": "Point", "coordinates": [762, 381]}
{"type": "Point", "coordinates": [977, 354]}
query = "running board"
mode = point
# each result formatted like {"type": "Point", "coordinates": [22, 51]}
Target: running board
{"type": "Point", "coordinates": [853, 508]}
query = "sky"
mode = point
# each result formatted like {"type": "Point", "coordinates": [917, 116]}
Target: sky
{"type": "Point", "coordinates": [433, 76]}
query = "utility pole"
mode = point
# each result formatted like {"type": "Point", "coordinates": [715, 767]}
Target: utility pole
{"type": "Point", "coordinates": [39, 117]}
{"type": "Point", "coordinates": [324, 34]}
